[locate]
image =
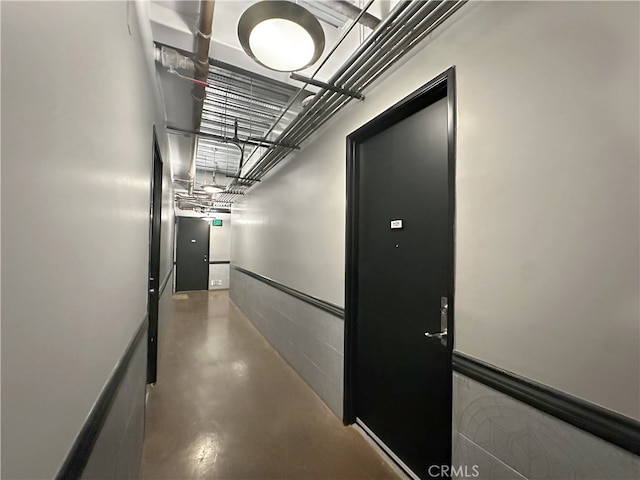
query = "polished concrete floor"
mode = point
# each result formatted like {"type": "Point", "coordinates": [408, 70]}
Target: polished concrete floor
{"type": "Point", "coordinates": [227, 406]}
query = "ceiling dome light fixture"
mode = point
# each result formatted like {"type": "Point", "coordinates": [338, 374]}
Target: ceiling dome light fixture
{"type": "Point", "coordinates": [281, 35]}
{"type": "Point", "coordinates": [213, 187]}
{"type": "Point", "coordinates": [210, 188]}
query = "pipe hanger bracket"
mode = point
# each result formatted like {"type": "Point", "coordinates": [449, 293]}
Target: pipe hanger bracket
{"type": "Point", "coordinates": [326, 86]}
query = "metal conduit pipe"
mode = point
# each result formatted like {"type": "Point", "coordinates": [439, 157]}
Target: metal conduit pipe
{"type": "Point", "coordinates": [325, 102]}
{"type": "Point", "coordinates": [421, 37]}
{"type": "Point", "coordinates": [227, 198]}
{"type": "Point", "coordinates": [387, 37]}
{"type": "Point", "coordinates": [351, 11]}
{"type": "Point", "coordinates": [404, 24]}
{"type": "Point", "coordinates": [425, 25]}
{"type": "Point", "coordinates": [244, 126]}
{"type": "Point", "coordinates": [276, 155]}
{"type": "Point", "coordinates": [365, 50]}
{"type": "Point", "coordinates": [201, 64]}
{"type": "Point", "coordinates": [389, 57]}
{"type": "Point", "coordinates": [391, 53]}
{"type": "Point", "coordinates": [417, 24]}
{"type": "Point", "coordinates": [258, 142]}
{"type": "Point", "coordinates": [202, 198]}
{"type": "Point", "coordinates": [369, 61]}
{"type": "Point", "coordinates": [360, 51]}
{"type": "Point", "coordinates": [286, 108]}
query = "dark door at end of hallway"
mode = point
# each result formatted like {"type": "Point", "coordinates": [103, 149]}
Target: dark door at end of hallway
{"type": "Point", "coordinates": [192, 254]}
{"type": "Point", "coordinates": [400, 281]}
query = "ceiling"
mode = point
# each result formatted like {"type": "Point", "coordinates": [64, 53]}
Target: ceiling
{"type": "Point", "coordinates": [247, 107]}
{"type": "Point", "coordinates": [240, 105]}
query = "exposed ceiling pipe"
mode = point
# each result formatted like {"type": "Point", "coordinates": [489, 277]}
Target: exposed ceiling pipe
{"type": "Point", "coordinates": [171, 59]}
{"type": "Point", "coordinates": [201, 63]}
{"type": "Point", "coordinates": [186, 204]}
{"type": "Point", "coordinates": [407, 24]}
{"type": "Point", "coordinates": [351, 11]}
{"type": "Point", "coordinates": [317, 69]}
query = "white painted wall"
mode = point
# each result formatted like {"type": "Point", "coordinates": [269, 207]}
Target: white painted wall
{"type": "Point", "coordinates": [168, 147]}
{"type": "Point", "coordinates": [77, 114]}
{"type": "Point", "coordinates": [547, 250]}
{"type": "Point", "coordinates": [290, 228]}
{"type": "Point", "coordinates": [220, 238]}
{"type": "Point", "coordinates": [218, 277]}
{"type": "Point", "coordinates": [220, 250]}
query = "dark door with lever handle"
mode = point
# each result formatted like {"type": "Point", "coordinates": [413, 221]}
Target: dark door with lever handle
{"type": "Point", "coordinates": [399, 298]}
{"type": "Point", "coordinates": [192, 254]}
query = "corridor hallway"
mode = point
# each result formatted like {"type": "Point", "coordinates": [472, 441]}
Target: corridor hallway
{"type": "Point", "coordinates": [227, 406]}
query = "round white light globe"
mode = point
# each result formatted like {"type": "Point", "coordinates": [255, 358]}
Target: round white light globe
{"type": "Point", "coordinates": [211, 189]}
{"type": "Point", "coordinates": [281, 44]}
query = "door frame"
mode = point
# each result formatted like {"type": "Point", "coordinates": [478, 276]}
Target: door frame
{"type": "Point", "coordinates": [153, 294]}
{"type": "Point", "coordinates": [418, 100]}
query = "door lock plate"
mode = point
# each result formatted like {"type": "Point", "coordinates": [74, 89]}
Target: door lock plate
{"type": "Point", "coordinates": [444, 313]}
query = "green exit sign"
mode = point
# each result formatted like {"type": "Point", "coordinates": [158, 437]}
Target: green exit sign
{"type": "Point", "coordinates": [217, 222]}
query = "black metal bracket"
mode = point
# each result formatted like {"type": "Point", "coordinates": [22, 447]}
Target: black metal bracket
{"type": "Point", "coordinates": [244, 179]}
{"type": "Point", "coordinates": [327, 86]}
{"type": "Point", "coordinates": [257, 142]}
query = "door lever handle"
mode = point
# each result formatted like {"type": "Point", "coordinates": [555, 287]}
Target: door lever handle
{"type": "Point", "coordinates": [439, 335]}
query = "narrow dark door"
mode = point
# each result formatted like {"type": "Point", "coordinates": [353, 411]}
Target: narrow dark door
{"type": "Point", "coordinates": [154, 262]}
{"type": "Point", "coordinates": [192, 254]}
{"type": "Point", "coordinates": [401, 282]}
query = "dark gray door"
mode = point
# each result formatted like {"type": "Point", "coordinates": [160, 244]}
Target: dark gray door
{"type": "Point", "coordinates": [192, 254]}
{"type": "Point", "coordinates": [403, 273]}
{"type": "Point", "coordinates": [154, 262]}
